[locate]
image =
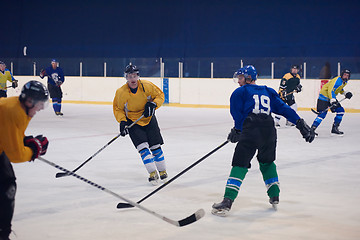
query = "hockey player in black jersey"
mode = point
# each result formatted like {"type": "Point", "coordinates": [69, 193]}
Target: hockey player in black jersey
{"type": "Point", "coordinates": [251, 107]}
{"type": "Point", "coordinates": [289, 84]}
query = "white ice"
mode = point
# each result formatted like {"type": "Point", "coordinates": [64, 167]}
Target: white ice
{"type": "Point", "coordinates": [320, 182]}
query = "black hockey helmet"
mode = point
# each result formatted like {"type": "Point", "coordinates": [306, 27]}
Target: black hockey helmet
{"type": "Point", "coordinates": [345, 71]}
{"type": "Point", "coordinates": [295, 67]}
{"type": "Point", "coordinates": [131, 69]}
{"type": "Point", "coordinates": [34, 90]}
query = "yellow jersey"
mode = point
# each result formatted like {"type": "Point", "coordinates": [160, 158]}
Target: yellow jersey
{"type": "Point", "coordinates": [332, 88]}
{"type": "Point", "coordinates": [13, 123]}
{"type": "Point", "coordinates": [131, 105]}
{"type": "Point", "coordinates": [4, 77]}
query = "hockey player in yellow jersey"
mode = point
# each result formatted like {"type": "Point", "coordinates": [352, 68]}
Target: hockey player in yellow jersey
{"type": "Point", "coordinates": [327, 98]}
{"type": "Point", "coordinates": [15, 147]}
{"type": "Point", "coordinates": [134, 99]}
{"type": "Point", "coordinates": [5, 75]}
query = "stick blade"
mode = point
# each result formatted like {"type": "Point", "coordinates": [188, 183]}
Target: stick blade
{"type": "Point", "coordinates": [124, 205]}
{"type": "Point", "coordinates": [314, 111]}
{"type": "Point", "coordinates": [192, 218]}
{"type": "Point", "coordinates": [61, 174]}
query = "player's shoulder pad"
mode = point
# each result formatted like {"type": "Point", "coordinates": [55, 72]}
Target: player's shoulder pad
{"type": "Point", "coordinates": [287, 76]}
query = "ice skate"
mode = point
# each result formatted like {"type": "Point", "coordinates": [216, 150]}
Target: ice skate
{"type": "Point", "coordinates": [277, 124]}
{"type": "Point", "coordinates": [221, 209]}
{"type": "Point", "coordinates": [59, 113]}
{"type": "Point", "coordinates": [274, 201]}
{"type": "Point", "coordinates": [335, 130]}
{"type": "Point", "coordinates": [163, 175]}
{"type": "Point", "coordinates": [154, 178]}
{"type": "Point", "coordinates": [314, 128]}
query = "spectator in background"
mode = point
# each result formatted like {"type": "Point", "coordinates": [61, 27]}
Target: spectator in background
{"type": "Point", "coordinates": [325, 72]}
{"type": "Point", "coordinates": [55, 79]}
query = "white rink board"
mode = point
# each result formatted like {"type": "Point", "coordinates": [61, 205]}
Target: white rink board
{"type": "Point", "coordinates": [185, 91]}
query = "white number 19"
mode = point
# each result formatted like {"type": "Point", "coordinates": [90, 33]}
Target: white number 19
{"type": "Point", "coordinates": [264, 102]}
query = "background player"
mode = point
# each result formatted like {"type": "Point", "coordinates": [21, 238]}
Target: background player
{"type": "Point", "coordinates": [5, 75]}
{"type": "Point", "coordinates": [251, 106]}
{"type": "Point", "coordinates": [135, 98]}
{"type": "Point", "coordinates": [289, 84]}
{"type": "Point", "coordinates": [327, 98]}
{"type": "Point", "coordinates": [16, 113]}
{"type": "Point", "coordinates": [56, 78]}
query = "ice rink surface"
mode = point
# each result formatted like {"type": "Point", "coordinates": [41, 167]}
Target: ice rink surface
{"type": "Point", "coordinates": [320, 184]}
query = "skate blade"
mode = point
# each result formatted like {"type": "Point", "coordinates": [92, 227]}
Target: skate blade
{"type": "Point", "coordinates": [220, 213]}
{"type": "Point", "coordinates": [337, 135]}
{"type": "Point", "coordinates": [154, 183]}
{"type": "Point", "coordinates": [275, 205]}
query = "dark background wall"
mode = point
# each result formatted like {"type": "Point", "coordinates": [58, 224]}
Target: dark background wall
{"type": "Point", "coordinates": [182, 29]}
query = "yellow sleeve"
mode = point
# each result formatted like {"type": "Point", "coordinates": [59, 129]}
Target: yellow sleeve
{"type": "Point", "coordinates": [118, 106]}
{"type": "Point", "coordinates": [12, 128]}
{"type": "Point", "coordinates": [156, 94]}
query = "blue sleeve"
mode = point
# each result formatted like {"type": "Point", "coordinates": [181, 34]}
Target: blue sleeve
{"type": "Point", "coordinates": [279, 107]}
{"type": "Point", "coordinates": [337, 84]}
{"type": "Point", "coordinates": [237, 108]}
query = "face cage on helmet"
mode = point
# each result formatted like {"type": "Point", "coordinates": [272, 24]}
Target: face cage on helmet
{"type": "Point", "coordinates": [235, 76]}
{"type": "Point", "coordinates": [126, 74]}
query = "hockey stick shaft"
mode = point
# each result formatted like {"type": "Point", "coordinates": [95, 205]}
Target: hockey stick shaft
{"type": "Point", "coordinates": [188, 220]}
{"type": "Point", "coordinates": [112, 140]}
{"type": "Point", "coordinates": [126, 205]}
{"type": "Point", "coordinates": [316, 112]}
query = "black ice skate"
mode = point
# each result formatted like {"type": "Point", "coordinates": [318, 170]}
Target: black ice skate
{"type": "Point", "coordinates": [221, 209]}
{"type": "Point", "coordinates": [59, 113]}
{"type": "Point", "coordinates": [274, 201]}
{"type": "Point", "coordinates": [314, 128]}
{"type": "Point", "coordinates": [335, 130]}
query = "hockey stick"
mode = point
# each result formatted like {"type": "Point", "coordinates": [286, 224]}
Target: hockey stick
{"type": "Point", "coordinates": [183, 222]}
{"type": "Point", "coordinates": [61, 174]}
{"type": "Point", "coordinates": [127, 205]}
{"type": "Point", "coordinates": [316, 112]}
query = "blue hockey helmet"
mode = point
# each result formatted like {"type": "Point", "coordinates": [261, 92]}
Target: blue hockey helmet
{"type": "Point", "coordinates": [240, 71]}
{"type": "Point", "coordinates": [250, 72]}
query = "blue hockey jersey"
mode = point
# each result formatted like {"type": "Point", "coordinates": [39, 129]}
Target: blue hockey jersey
{"type": "Point", "coordinates": [55, 76]}
{"type": "Point", "coordinates": [252, 98]}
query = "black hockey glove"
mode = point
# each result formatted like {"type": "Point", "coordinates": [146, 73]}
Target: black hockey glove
{"type": "Point", "coordinates": [234, 135]}
{"type": "Point", "coordinates": [348, 95]}
{"type": "Point", "coordinates": [124, 128]}
{"type": "Point", "coordinates": [305, 130]}
{"type": "Point", "coordinates": [14, 84]}
{"type": "Point", "coordinates": [42, 73]}
{"type": "Point", "coordinates": [38, 145]}
{"type": "Point", "coordinates": [149, 109]}
{"type": "Point", "coordinates": [334, 104]}
{"type": "Point", "coordinates": [298, 88]}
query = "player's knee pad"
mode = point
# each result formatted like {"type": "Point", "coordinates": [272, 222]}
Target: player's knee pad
{"type": "Point", "coordinates": [8, 190]}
